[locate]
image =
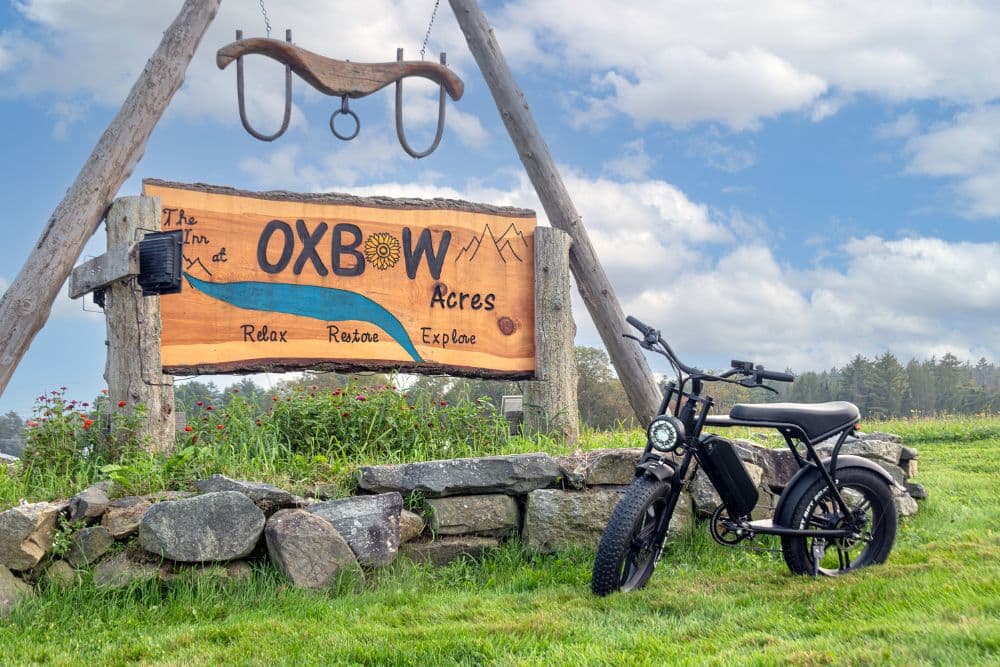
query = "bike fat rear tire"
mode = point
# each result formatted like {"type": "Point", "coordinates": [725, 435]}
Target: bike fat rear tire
{"type": "Point", "coordinates": [626, 556]}
{"type": "Point", "coordinates": [859, 487]}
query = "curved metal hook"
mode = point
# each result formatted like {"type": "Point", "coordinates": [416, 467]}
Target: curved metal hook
{"type": "Point", "coordinates": [401, 133]}
{"type": "Point", "coordinates": [346, 111]}
{"type": "Point", "coordinates": [242, 103]}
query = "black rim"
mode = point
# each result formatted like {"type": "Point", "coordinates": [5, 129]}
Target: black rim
{"type": "Point", "coordinates": [643, 547]}
{"type": "Point", "coordinates": [835, 556]}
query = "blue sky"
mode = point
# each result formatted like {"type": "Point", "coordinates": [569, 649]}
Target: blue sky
{"type": "Point", "coordinates": [786, 181]}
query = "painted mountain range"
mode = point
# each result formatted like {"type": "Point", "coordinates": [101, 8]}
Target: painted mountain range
{"type": "Point", "coordinates": [509, 245]}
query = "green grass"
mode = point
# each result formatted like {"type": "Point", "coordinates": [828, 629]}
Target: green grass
{"type": "Point", "coordinates": [936, 602]}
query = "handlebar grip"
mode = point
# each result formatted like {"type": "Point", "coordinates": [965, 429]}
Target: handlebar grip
{"type": "Point", "coordinates": [638, 325]}
{"type": "Point", "coordinates": [774, 375]}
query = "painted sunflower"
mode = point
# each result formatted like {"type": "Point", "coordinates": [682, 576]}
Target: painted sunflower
{"type": "Point", "coordinates": [382, 250]}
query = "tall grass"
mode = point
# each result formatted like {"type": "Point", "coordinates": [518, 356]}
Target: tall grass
{"type": "Point", "coordinates": [935, 602]}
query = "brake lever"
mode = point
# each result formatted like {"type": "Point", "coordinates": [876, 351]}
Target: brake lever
{"type": "Point", "coordinates": [749, 383]}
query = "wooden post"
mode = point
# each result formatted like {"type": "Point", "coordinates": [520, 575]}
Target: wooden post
{"type": "Point", "coordinates": [133, 371]}
{"type": "Point", "coordinates": [550, 404]}
{"type": "Point", "coordinates": [26, 304]}
{"type": "Point", "coordinates": [593, 283]}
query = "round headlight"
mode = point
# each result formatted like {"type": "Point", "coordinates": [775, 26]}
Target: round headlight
{"type": "Point", "coordinates": [665, 432]}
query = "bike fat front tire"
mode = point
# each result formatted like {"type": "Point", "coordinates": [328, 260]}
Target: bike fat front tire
{"type": "Point", "coordinates": [866, 493]}
{"type": "Point", "coordinates": [631, 543]}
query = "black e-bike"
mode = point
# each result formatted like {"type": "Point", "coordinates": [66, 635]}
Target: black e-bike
{"type": "Point", "coordinates": [835, 515]}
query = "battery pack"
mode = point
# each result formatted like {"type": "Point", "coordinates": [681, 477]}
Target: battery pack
{"type": "Point", "coordinates": [726, 472]}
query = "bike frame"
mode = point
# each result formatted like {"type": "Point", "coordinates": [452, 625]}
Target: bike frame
{"type": "Point", "coordinates": [693, 409]}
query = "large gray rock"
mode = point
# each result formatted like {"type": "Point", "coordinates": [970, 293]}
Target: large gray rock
{"type": "Point", "coordinates": [120, 572]}
{"type": "Point", "coordinates": [778, 465]}
{"type": "Point", "coordinates": [123, 516]}
{"type": "Point", "coordinates": [89, 504]}
{"type": "Point", "coordinates": [556, 519]}
{"type": "Point", "coordinates": [599, 467]}
{"type": "Point", "coordinates": [880, 451]}
{"type": "Point", "coordinates": [268, 498]}
{"type": "Point", "coordinates": [60, 573]}
{"type": "Point", "coordinates": [88, 545]}
{"type": "Point", "coordinates": [916, 491]}
{"type": "Point", "coordinates": [411, 525]}
{"type": "Point", "coordinates": [12, 589]}
{"type": "Point", "coordinates": [370, 524]}
{"type": "Point", "coordinates": [26, 534]}
{"type": "Point", "coordinates": [880, 435]}
{"type": "Point", "coordinates": [442, 551]}
{"type": "Point", "coordinates": [905, 505]}
{"type": "Point", "coordinates": [517, 474]}
{"type": "Point", "coordinates": [215, 526]}
{"type": "Point", "coordinates": [612, 467]}
{"type": "Point", "coordinates": [308, 550]}
{"type": "Point", "coordinates": [493, 514]}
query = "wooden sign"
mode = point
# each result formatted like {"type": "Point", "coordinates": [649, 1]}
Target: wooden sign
{"type": "Point", "coordinates": [283, 281]}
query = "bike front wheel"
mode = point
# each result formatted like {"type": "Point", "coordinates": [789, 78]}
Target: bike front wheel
{"type": "Point", "coordinates": [631, 543]}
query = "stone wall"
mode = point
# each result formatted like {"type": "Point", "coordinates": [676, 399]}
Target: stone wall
{"type": "Point", "coordinates": [432, 512]}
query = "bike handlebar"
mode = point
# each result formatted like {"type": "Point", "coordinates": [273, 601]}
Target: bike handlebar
{"type": "Point", "coordinates": [643, 329]}
{"type": "Point", "coordinates": [746, 367]}
{"type": "Point", "coordinates": [774, 375]}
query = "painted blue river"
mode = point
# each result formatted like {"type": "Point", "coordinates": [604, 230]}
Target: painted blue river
{"type": "Point", "coordinates": [321, 303]}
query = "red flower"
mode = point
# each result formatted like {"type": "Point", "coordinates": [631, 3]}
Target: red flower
{"type": "Point", "coordinates": [209, 408]}
{"type": "Point", "coordinates": [188, 428]}
{"type": "Point", "coordinates": [104, 391]}
{"type": "Point", "coordinates": [194, 438]}
{"type": "Point", "coordinates": [275, 398]}
{"type": "Point", "coordinates": [444, 403]}
{"type": "Point", "coordinates": [199, 403]}
{"type": "Point", "coordinates": [347, 414]}
{"type": "Point", "coordinates": [236, 390]}
{"type": "Point", "coordinates": [122, 404]}
{"type": "Point", "coordinates": [31, 423]}
{"type": "Point", "coordinates": [219, 426]}
{"type": "Point", "coordinates": [361, 397]}
{"type": "Point", "coordinates": [87, 423]}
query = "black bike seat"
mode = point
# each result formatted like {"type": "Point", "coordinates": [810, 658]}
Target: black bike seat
{"type": "Point", "coordinates": [815, 419]}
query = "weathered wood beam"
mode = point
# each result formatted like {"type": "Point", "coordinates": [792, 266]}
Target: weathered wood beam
{"type": "Point", "coordinates": [591, 280]}
{"type": "Point", "coordinates": [133, 368]}
{"type": "Point", "coordinates": [27, 302]}
{"type": "Point", "coordinates": [550, 404]}
{"type": "Point", "coordinates": [118, 263]}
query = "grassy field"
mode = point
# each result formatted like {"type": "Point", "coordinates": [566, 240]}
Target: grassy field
{"type": "Point", "coordinates": [937, 601]}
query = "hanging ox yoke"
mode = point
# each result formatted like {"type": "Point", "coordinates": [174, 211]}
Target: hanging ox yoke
{"type": "Point", "coordinates": [339, 78]}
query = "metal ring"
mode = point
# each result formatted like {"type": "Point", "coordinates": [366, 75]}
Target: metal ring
{"type": "Point", "coordinates": [345, 111]}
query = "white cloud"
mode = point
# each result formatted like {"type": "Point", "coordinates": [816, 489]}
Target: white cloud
{"type": "Point", "coordinates": [722, 156]}
{"type": "Point", "coordinates": [634, 163]}
{"type": "Point", "coordinates": [916, 297]}
{"type": "Point", "coordinates": [967, 150]}
{"type": "Point", "coordinates": [740, 62]}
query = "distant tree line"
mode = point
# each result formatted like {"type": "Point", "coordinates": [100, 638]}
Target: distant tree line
{"type": "Point", "coordinates": [880, 387]}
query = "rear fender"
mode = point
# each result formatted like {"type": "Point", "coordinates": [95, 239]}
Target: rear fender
{"type": "Point", "coordinates": [806, 476]}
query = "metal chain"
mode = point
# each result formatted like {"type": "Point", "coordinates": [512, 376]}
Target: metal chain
{"type": "Point", "coordinates": [423, 49]}
{"type": "Point", "coordinates": [267, 21]}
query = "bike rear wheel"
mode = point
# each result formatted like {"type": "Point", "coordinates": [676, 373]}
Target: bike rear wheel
{"type": "Point", "coordinates": [869, 499]}
{"type": "Point", "coordinates": [631, 543]}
